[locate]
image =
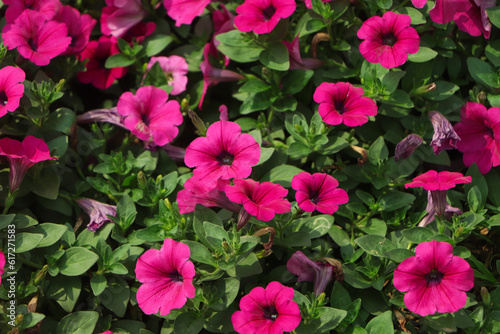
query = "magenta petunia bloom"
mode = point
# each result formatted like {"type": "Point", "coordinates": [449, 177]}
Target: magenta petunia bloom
{"type": "Point", "coordinates": [321, 273]}
{"type": "Point", "coordinates": [267, 311]}
{"type": "Point", "coordinates": [407, 146]}
{"type": "Point", "coordinates": [261, 200]}
{"type": "Point", "coordinates": [139, 32]}
{"type": "Point", "coordinates": [35, 37]}
{"type": "Point", "coordinates": [23, 155]}
{"type": "Point", "coordinates": [49, 8]}
{"type": "Point", "coordinates": [11, 88]}
{"type": "Point", "coordinates": [318, 192]}
{"type": "Point", "coordinates": [296, 61]}
{"type": "Point", "coordinates": [434, 280]}
{"type": "Point", "coordinates": [197, 192]}
{"type": "Point", "coordinates": [97, 52]}
{"type": "Point", "coordinates": [149, 116]}
{"type": "Point", "coordinates": [120, 15]}
{"type": "Point", "coordinates": [2, 264]}
{"type": "Point", "coordinates": [97, 212]}
{"type": "Point", "coordinates": [479, 129]}
{"type": "Point", "coordinates": [445, 137]}
{"type": "Point", "coordinates": [166, 276]}
{"type": "Point", "coordinates": [474, 20]}
{"type": "Point", "coordinates": [223, 154]}
{"type": "Point", "coordinates": [79, 28]}
{"type": "Point", "coordinates": [341, 102]}
{"type": "Point", "coordinates": [184, 11]}
{"type": "Point", "coordinates": [175, 69]}
{"type": "Point", "coordinates": [261, 16]}
{"type": "Point", "coordinates": [388, 39]}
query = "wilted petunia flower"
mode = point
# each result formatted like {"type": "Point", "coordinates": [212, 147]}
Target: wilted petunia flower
{"type": "Point", "coordinates": [35, 37]}
{"type": "Point", "coordinates": [341, 102]}
{"type": "Point", "coordinates": [434, 280]}
{"type": "Point", "coordinates": [175, 69]}
{"type": "Point", "coordinates": [437, 184]}
{"type": "Point", "coordinates": [23, 155]}
{"type": "Point", "coordinates": [388, 39]}
{"type": "Point", "coordinates": [445, 137]}
{"type": "Point", "coordinates": [296, 61]}
{"type": "Point", "coordinates": [223, 154]}
{"type": "Point", "coordinates": [120, 15]}
{"type": "Point", "coordinates": [320, 273]}
{"type": "Point", "coordinates": [407, 146]}
{"type": "Point", "coordinates": [11, 88]}
{"type": "Point", "coordinates": [97, 212]}
{"type": "Point", "coordinates": [479, 129]}
{"type": "Point", "coordinates": [79, 28]}
{"type": "Point", "coordinates": [149, 115]}
{"type": "Point", "coordinates": [184, 11]}
{"type": "Point", "coordinates": [449, 211]}
{"type": "Point", "coordinates": [261, 16]}
{"type": "Point", "coordinates": [49, 8]}
{"type": "Point", "coordinates": [166, 276]}
{"type": "Point", "coordinates": [269, 310]}
{"type": "Point", "coordinates": [318, 192]}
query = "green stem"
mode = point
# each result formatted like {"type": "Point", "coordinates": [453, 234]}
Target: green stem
{"type": "Point", "coordinates": [29, 263]}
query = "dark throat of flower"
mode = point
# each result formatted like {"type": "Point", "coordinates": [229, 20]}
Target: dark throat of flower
{"type": "Point", "coordinates": [389, 39]}
{"type": "Point", "coordinates": [225, 158]}
{"type": "Point", "coordinates": [269, 12]}
{"type": "Point", "coordinates": [3, 98]}
{"type": "Point", "coordinates": [32, 44]}
{"type": "Point", "coordinates": [434, 277]}
{"type": "Point", "coordinates": [314, 196]}
{"type": "Point", "coordinates": [175, 276]}
{"type": "Point", "coordinates": [270, 312]}
{"type": "Point", "coordinates": [340, 107]}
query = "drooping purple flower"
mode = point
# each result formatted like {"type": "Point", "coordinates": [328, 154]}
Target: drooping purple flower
{"type": "Point", "coordinates": [445, 137]}
{"type": "Point", "coordinates": [407, 146]}
{"type": "Point", "coordinates": [449, 210]}
{"type": "Point", "coordinates": [97, 212]}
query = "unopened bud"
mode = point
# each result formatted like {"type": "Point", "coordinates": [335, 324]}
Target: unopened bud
{"type": "Point", "coordinates": [19, 319]}
{"type": "Point", "coordinates": [197, 122]}
{"type": "Point", "coordinates": [485, 295]}
{"type": "Point", "coordinates": [425, 89]}
{"type": "Point", "coordinates": [407, 146]}
{"type": "Point", "coordinates": [141, 178]}
{"type": "Point", "coordinates": [184, 104]}
{"type": "Point", "coordinates": [481, 97]}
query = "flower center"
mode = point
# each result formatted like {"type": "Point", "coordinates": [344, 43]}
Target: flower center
{"type": "Point", "coordinates": [340, 107]}
{"type": "Point", "coordinates": [389, 39]}
{"type": "Point", "coordinates": [225, 158]}
{"type": "Point", "coordinates": [270, 312]}
{"type": "Point", "coordinates": [434, 277]}
{"type": "Point", "coordinates": [170, 77]}
{"type": "Point", "coordinates": [32, 44]}
{"type": "Point", "coordinates": [314, 196]}
{"type": "Point", "coordinates": [269, 12]}
{"type": "Point", "coordinates": [3, 98]}
{"type": "Point", "coordinates": [175, 276]}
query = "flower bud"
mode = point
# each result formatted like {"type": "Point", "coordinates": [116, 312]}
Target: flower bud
{"type": "Point", "coordinates": [407, 146]}
{"type": "Point", "coordinates": [425, 89]}
{"type": "Point", "coordinates": [198, 123]}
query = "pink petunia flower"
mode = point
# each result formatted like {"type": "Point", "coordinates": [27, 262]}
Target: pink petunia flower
{"type": "Point", "coordinates": [321, 273]}
{"type": "Point", "coordinates": [434, 280]}
{"type": "Point", "coordinates": [184, 11]}
{"type": "Point", "coordinates": [23, 155]}
{"type": "Point", "coordinates": [121, 15]}
{"type": "Point", "coordinates": [11, 88]}
{"type": "Point", "coordinates": [49, 8]}
{"type": "Point", "coordinates": [479, 129]}
{"type": "Point", "coordinates": [341, 102]}
{"type": "Point", "coordinates": [79, 28]}
{"type": "Point", "coordinates": [475, 20]}
{"type": "Point", "coordinates": [139, 32]}
{"type": "Point", "coordinates": [223, 154]}
{"type": "Point", "coordinates": [318, 192]}
{"type": "Point", "coordinates": [97, 212]}
{"type": "Point", "coordinates": [35, 37]}
{"type": "Point", "coordinates": [407, 146]}
{"type": "Point", "coordinates": [388, 39]}
{"type": "Point", "coordinates": [437, 184]}
{"type": "Point", "coordinates": [267, 311]}
{"type": "Point", "coordinates": [445, 137]}
{"type": "Point", "coordinates": [212, 75]}
{"type": "Point", "coordinates": [149, 116]}
{"type": "Point", "coordinates": [261, 200]}
{"type": "Point", "coordinates": [197, 192]}
{"type": "Point", "coordinates": [2, 265]}
{"type": "Point", "coordinates": [261, 16]}
{"type": "Point", "coordinates": [97, 52]}
{"type": "Point", "coordinates": [175, 69]}
{"type": "Point", "coordinates": [223, 21]}
{"type": "Point", "coordinates": [296, 61]}
{"type": "Point", "coordinates": [167, 277]}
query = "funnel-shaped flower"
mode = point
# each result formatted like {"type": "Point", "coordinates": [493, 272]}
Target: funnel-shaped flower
{"type": "Point", "coordinates": [320, 273]}
{"type": "Point", "coordinates": [149, 116]}
{"type": "Point", "coordinates": [97, 52]}
{"type": "Point", "coordinates": [267, 311]}
{"type": "Point", "coordinates": [318, 192]}
{"type": "Point", "coordinates": [407, 146]}
{"type": "Point", "coordinates": [175, 69]}
{"type": "Point", "coordinates": [166, 276]}
{"type": "Point", "coordinates": [35, 37]}
{"type": "Point", "coordinates": [479, 129]}
{"type": "Point", "coordinates": [102, 115]}
{"type": "Point", "coordinates": [79, 28]}
{"type": "Point", "coordinates": [434, 280]}
{"type": "Point", "coordinates": [261, 16]}
{"type": "Point", "coordinates": [449, 211]}
{"type": "Point", "coordinates": [445, 137]}
{"type": "Point", "coordinates": [11, 88]}
{"type": "Point", "coordinates": [475, 20]}
{"type": "Point", "coordinates": [388, 39]}
{"type": "Point", "coordinates": [184, 11]}
{"type": "Point", "coordinates": [296, 61]}
{"type": "Point", "coordinates": [223, 154]}
{"type": "Point", "coordinates": [49, 8]}
{"type": "Point", "coordinates": [341, 102]}
{"type": "Point", "coordinates": [97, 211]}
{"type": "Point", "coordinates": [121, 15]}
{"type": "Point", "coordinates": [23, 155]}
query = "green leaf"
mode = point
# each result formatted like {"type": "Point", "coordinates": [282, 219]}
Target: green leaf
{"type": "Point", "coordinates": [238, 47]}
{"type": "Point", "coordinates": [189, 323]}
{"type": "Point", "coordinates": [340, 298]}
{"type": "Point", "coordinates": [381, 324]}
{"type": "Point", "coordinates": [492, 52]}
{"type": "Point", "coordinates": [296, 80]}
{"type": "Point", "coordinates": [5, 220]}
{"type": "Point", "coordinates": [200, 253]}
{"type": "Point", "coordinates": [395, 200]}
{"type": "Point", "coordinates": [282, 175]}
{"type": "Point", "coordinates": [316, 226]}
{"type": "Point", "coordinates": [156, 43]}
{"type": "Point", "coordinates": [482, 72]}
{"type": "Point", "coordinates": [126, 211]}
{"type": "Point", "coordinates": [116, 296]}
{"type": "Point", "coordinates": [119, 60]}
{"type": "Point", "coordinates": [82, 322]}
{"type": "Point", "coordinates": [398, 255]}
{"type": "Point", "coordinates": [375, 245]}
{"type": "Point", "coordinates": [340, 236]}
{"type": "Point", "coordinates": [444, 90]}
{"type": "Point", "coordinates": [378, 151]}
{"type": "Point", "coordinates": [399, 98]}
{"type": "Point", "coordinates": [298, 149]}
{"type": "Point", "coordinates": [384, 4]}
{"type": "Point", "coordinates": [308, 25]}
{"type": "Point", "coordinates": [65, 291]}
{"type": "Point", "coordinates": [275, 57]}
{"type": "Point", "coordinates": [215, 234]}
{"type": "Point", "coordinates": [249, 266]}
{"type": "Point", "coordinates": [46, 183]}
{"type": "Point", "coordinates": [479, 182]}
{"type": "Point", "coordinates": [494, 15]}
{"type": "Point", "coordinates": [414, 14]}
{"type": "Point", "coordinates": [226, 292]}
{"type": "Point", "coordinates": [418, 234]}
{"type": "Point", "coordinates": [374, 226]}
{"type": "Point", "coordinates": [76, 261]}
{"type": "Point", "coordinates": [424, 54]}
{"type": "Point", "coordinates": [27, 241]}
{"type": "Point", "coordinates": [60, 120]}
{"type": "Point", "coordinates": [98, 283]}
{"type": "Point", "coordinates": [31, 319]}
{"type": "Point", "coordinates": [51, 233]}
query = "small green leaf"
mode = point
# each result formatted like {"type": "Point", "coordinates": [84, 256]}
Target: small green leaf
{"type": "Point", "coordinates": [424, 54]}
{"type": "Point", "coordinates": [275, 57]}
{"type": "Point", "coordinates": [119, 60]}
{"type": "Point", "coordinates": [381, 324]}
{"type": "Point", "coordinates": [82, 322]}
{"type": "Point", "coordinates": [200, 253]}
{"type": "Point", "coordinates": [27, 241]}
{"type": "Point", "coordinates": [156, 43]}
{"type": "Point", "coordinates": [98, 283]}
{"type": "Point", "coordinates": [76, 261]}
